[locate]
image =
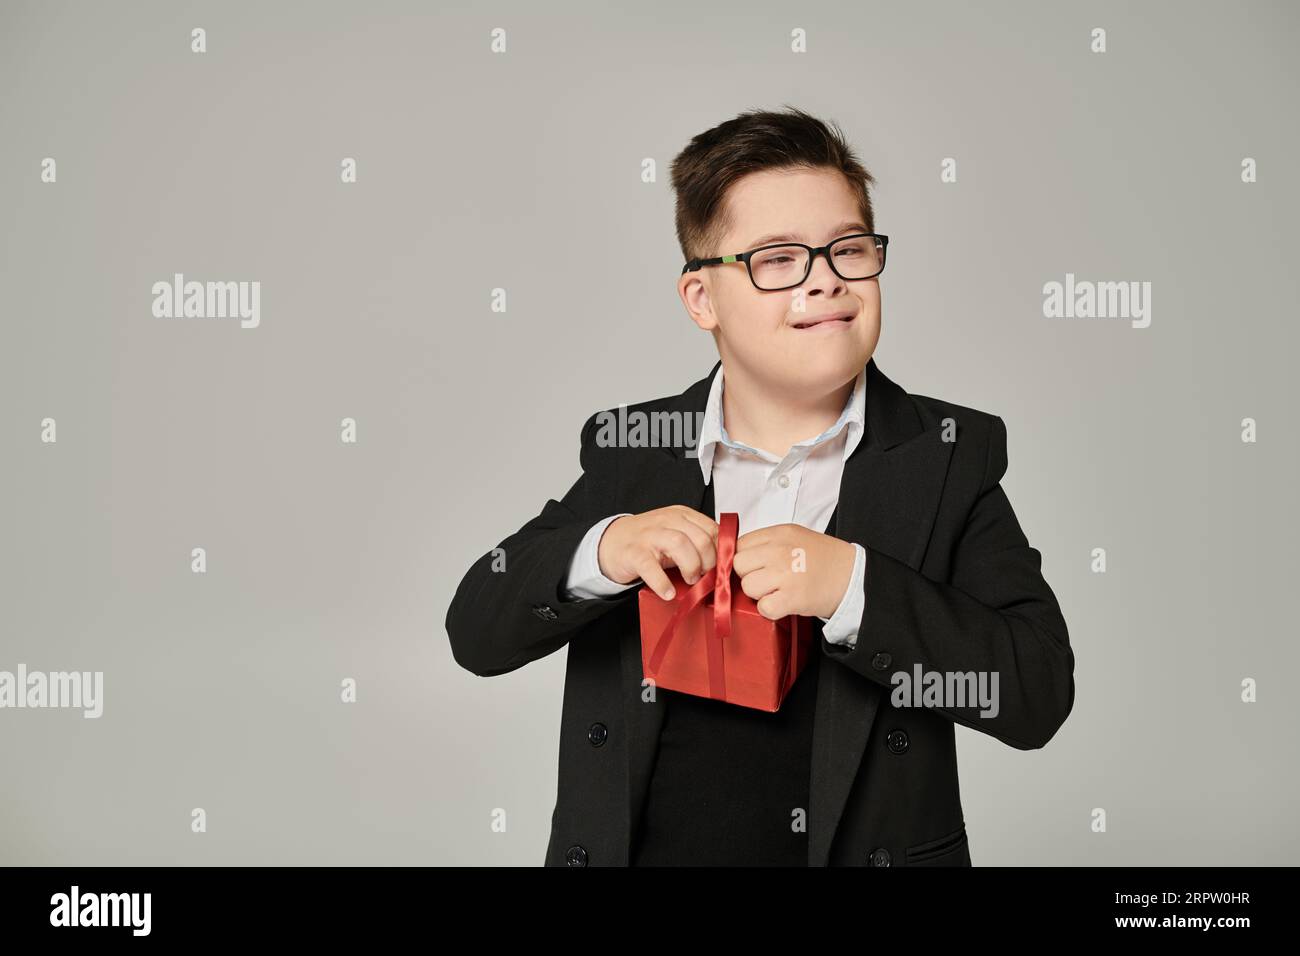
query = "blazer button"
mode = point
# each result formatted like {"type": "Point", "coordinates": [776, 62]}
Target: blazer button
{"type": "Point", "coordinates": [545, 612]}
{"type": "Point", "coordinates": [575, 856]}
{"type": "Point", "coordinates": [881, 661]}
{"type": "Point", "coordinates": [880, 857]}
{"type": "Point", "coordinates": [597, 734]}
{"type": "Point", "coordinates": [897, 741]}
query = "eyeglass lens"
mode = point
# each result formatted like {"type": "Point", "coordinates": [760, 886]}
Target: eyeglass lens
{"type": "Point", "coordinates": [855, 257]}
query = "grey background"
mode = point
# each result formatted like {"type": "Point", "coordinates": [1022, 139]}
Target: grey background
{"type": "Point", "coordinates": [522, 171]}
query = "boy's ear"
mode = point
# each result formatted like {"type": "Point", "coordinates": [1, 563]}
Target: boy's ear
{"type": "Point", "coordinates": [694, 292]}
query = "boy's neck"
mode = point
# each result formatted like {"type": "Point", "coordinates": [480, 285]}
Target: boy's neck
{"type": "Point", "coordinates": [773, 422]}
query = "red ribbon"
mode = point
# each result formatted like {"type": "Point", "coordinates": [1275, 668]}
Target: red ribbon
{"type": "Point", "coordinates": [717, 582]}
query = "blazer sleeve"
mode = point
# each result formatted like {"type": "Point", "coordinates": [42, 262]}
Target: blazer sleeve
{"type": "Point", "coordinates": [511, 607]}
{"type": "Point", "coordinates": [995, 615]}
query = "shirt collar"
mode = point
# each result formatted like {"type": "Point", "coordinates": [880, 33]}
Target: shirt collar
{"type": "Point", "coordinates": [713, 431]}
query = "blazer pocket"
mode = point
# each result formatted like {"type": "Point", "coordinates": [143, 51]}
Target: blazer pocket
{"type": "Point", "coordinates": [951, 849]}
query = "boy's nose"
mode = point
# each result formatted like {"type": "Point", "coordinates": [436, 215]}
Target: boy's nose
{"type": "Point", "coordinates": [822, 277]}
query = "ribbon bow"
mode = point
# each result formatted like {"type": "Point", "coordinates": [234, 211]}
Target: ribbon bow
{"type": "Point", "coordinates": [717, 582]}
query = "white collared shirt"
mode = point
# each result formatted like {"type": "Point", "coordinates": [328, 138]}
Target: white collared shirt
{"type": "Point", "coordinates": [801, 488]}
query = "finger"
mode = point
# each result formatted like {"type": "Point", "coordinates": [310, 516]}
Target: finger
{"type": "Point", "coordinates": [678, 548]}
{"type": "Point", "coordinates": [758, 584]}
{"type": "Point", "coordinates": [654, 577]}
{"type": "Point", "coordinates": [704, 545]}
{"type": "Point", "coordinates": [751, 560]}
{"type": "Point", "coordinates": [702, 521]}
{"type": "Point", "coordinates": [753, 539]}
{"type": "Point", "coordinates": [773, 606]}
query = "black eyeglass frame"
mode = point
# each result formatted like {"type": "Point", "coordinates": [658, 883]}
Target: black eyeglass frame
{"type": "Point", "coordinates": [813, 252]}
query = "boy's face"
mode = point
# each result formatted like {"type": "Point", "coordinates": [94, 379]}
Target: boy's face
{"type": "Point", "coordinates": [755, 330]}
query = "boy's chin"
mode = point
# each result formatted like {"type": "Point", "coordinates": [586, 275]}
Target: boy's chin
{"type": "Point", "coordinates": [844, 355]}
{"type": "Point", "coordinates": [822, 372]}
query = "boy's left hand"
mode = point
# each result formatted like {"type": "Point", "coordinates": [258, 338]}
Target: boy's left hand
{"type": "Point", "coordinates": [790, 569]}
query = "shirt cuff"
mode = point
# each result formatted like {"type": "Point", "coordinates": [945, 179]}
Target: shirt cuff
{"type": "Point", "coordinates": [585, 579]}
{"type": "Point", "coordinates": [842, 626]}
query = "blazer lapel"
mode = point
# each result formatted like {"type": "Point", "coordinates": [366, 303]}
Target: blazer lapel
{"type": "Point", "coordinates": [889, 495]}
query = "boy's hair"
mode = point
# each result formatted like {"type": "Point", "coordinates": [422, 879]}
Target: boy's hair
{"type": "Point", "coordinates": [754, 140]}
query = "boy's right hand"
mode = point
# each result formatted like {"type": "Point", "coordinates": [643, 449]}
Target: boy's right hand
{"type": "Point", "coordinates": [641, 546]}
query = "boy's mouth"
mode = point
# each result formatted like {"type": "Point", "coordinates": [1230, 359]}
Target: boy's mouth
{"type": "Point", "coordinates": [829, 320]}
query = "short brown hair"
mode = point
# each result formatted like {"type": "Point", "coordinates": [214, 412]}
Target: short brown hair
{"type": "Point", "coordinates": [754, 140]}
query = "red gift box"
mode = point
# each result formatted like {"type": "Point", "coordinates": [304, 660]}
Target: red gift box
{"type": "Point", "coordinates": [711, 641]}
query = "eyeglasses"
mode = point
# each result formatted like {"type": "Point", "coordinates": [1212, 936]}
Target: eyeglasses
{"type": "Point", "coordinates": [788, 264]}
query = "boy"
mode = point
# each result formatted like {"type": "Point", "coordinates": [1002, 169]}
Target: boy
{"type": "Point", "coordinates": [914, 564]}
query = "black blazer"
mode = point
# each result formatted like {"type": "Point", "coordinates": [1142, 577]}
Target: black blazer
{"type": "Point", "coordinates": [951, 584]}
